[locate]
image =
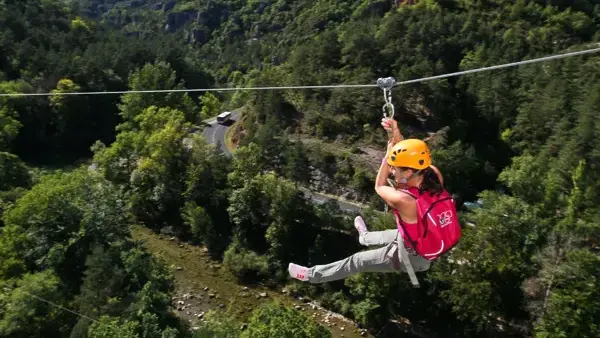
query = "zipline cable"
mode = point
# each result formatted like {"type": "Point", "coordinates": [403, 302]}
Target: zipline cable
{"type": "Point", "coordinates": [436, 77]}
{"type": "Point", "coordinates": [423, 79]}
{"type": "Point", "coordinates": [189, 90]}
{"type": "Point", "coordinates": [506, 65]}
{"type": "Point", "coordinates": [56, 305]}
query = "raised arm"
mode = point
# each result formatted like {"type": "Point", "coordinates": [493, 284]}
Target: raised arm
{"type": "Point", "coordinates": [391, 125]}
{"type": "Point", "coordinates": [387, 193]}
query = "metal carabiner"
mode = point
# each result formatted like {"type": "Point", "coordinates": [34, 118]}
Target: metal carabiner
{"type": "Point", "coordinates": [387, 84]}
{"type": "Point", "coordinates": [391, 110]}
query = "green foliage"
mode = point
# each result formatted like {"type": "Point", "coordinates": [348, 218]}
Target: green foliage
{"type": "Point", "coordinates": [63, 86]}
{"type": "Point", "coordinates": [268, 321]}
{"type": "Point", "coordinates": [67, 241]}
{"type": "Point", "coordinates": [218, 324]}
{"type": "Point", "coordinates": [71, 112]}
{"type": "Point", "coordinates": [126, 279]}
{"type": "Point", "coordinates": [462, 170]}
{"type": "Point", "coordinates": [247, 165]}
{"type": "Point", "coordinates": [101, 281]}
{"type": "Point", "coordinates": [54, 222]}
{"type": "Point", "coordinates": [111, 327]}
{"type": "Point", "coordinates": [23, 315]}
{"type": "Point", "coordinates": [297, 163]}
{"type": "Point", "coordinates": [50, 47]}
{"type": "Point", "coordinates": [362, 181]}
{"type": "Point", "coordinates": [156, 76]}
{"type": "Point", "coordinates": [271, 216]}
{"type": "Point", "coordinates": [275, 320]}
{"type": "Point", "coordinates": [210, 106]}
{"type": "Point", "coordinates": [80, 24]}
{"type": "Point", "coordinates": [199, 222]}
{"type": "Point", "coordinates": [9, 127]}
{"type": "Point", "coordinates": [269, 140]}
{"type": "Point", "coordinates": [525, 176]}
{"type": "Point", "coordinates": [528, 265]}
{"type": "Point", "coordinates": [151, 158]}
{"type": "Point", "coordinates": [574, 299]}
{"type": "Point", "coordinates": [10, 123]}
{"type": "Point", "coordinates": [493, 260]}
{"type": "Point", "coordinates": [13, 172]}
{"type": "Point", "coordinates": [245, 264]}
{"type": "Point", "coordinates": [206, 186]}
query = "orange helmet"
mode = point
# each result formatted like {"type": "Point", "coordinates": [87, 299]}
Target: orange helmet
{"type": "Point", "coordinates": [410, 153]}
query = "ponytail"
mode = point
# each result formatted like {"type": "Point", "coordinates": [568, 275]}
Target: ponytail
{"type": "Point", "coordinates": [431, 182]}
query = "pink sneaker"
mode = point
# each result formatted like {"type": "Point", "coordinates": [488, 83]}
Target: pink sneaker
{"type": "Point", "coordinates": [298, 272]}
{"type": "Point", "coordinates": [360, 225]}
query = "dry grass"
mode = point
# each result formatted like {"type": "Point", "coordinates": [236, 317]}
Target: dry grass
{"type": "Point", "coordinates": [230, 143]}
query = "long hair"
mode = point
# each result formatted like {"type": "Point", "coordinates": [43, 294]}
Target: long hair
{"type": "Point", "coordinates": [431, 182]}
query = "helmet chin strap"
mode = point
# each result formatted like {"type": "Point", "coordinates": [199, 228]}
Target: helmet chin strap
{"type": "Point", "coordinates": [405, 180]}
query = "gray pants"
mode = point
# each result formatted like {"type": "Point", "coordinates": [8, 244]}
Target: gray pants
{"type": "Point", "coordinates": [376, 260]}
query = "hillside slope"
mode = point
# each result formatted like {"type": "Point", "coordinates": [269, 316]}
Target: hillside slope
{"type": "Point", "coordinates": [523, 141]}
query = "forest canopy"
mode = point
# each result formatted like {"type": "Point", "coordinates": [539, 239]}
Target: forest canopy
{"type": "Point", "coordinates": [78, 171]}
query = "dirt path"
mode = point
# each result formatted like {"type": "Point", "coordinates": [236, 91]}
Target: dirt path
{"type": "Point", "coordinates": [202, 284]}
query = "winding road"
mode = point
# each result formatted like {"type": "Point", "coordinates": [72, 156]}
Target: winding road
{"type": "Point", "coordinates": [215, 134]}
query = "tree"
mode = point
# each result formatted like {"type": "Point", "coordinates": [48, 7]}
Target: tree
{"type": "Point", "coordinates": [297, 165]}
{"type": "Point", "coordinates": [156, 183]}
{"type": "Point", "coordinates": [9, 127]}
{"type": "Point", "coordinates": [199, 222]}
{"type": "Point", "coordinates": [275, 320]}
{"type": "Point", "coordinates": [126, 280]}
{"type": "Point", "coordinates": [158, 75]}
{"type": "Point", "coordinates": [574, 299]}
{"type": "Point", "coordinates": [210, 106]}
{"type": "Point", "coordinates": [462, 169]}
{"type": "Point", "coordinates": [362, 182]}
{"type": "Point", "coordinates": [112, 327]}
{"type": "Point", "coordinates": [237, 79]}
{"type": "Point", "coordinates": [13, 172]}
{"type": "Point", "coordinates": [102, 280]}
{"type": "Point", "coordinates": [525, 177]}
{"type": "Point", "coordinates": [206, 174]}
{"type": "Point", "coordinates": [564, 283]}
{"type": "Point", "coordinates": [269, 141]}
{"type": "Point", "coordinates": [218, 324]}
{"type": "Point", "coordinates": [485, 272]}
{"type": "Point", "coordinates": [151, 159]}
{"type": "Point", "coordinates": [247, 265]}
{"type": "Point", "coordinates": [272, 216]}
{"type": "Point", "coordinates": [206, 187]}
{"type": "Point", "coordinates": [10, 123]}
{"type": "Point", "coordinates": [537, 125]}
{"type": "Point", "coordinates": [24, 314]}
{"type": "Point", "coordinates": [246, 165]}
{"type": "Point", "coordinates": [71, 128]}
{"type": "Point", "coordinates": [52, 225]}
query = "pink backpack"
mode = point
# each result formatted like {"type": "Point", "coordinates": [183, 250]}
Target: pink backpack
{"type": "Point", "coordinates": [438, 229]}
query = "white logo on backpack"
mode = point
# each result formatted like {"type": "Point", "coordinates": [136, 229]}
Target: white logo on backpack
{"type": "Point", "coordinates": [445, 218]}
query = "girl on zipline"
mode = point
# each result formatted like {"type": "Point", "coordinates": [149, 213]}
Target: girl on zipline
{"type": "Point", "coordinates": [409, 161]}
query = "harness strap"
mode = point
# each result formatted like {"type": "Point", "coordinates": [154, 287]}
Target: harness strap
{"type": "Point", "coordinates": [403, 256]}
{"type": "Point", "coordinates": [404, 259]}
{"type": "Point", "coordinates": [407, 264]}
